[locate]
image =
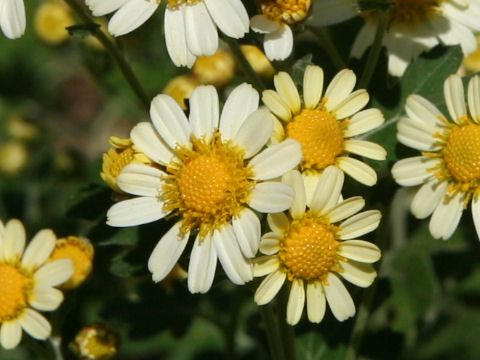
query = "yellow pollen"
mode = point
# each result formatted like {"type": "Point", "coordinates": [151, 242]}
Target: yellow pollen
{"type": "Point", "coordinates": [321, 136]}
{"type": "Point", "coordinates": [175, 3]}
{"type": "Point", "coordinates": [203, 184]}
{"type": "Point", "coordinates": [120, 159]}
{"type": "Point", "coordinates": [15, 287]}
{"type": "Point", "coordinates": [309, 249]}
{"type": "Point", "coordinates": [288, 11]}
{"type": "Point", "coordinates": [209, 185]}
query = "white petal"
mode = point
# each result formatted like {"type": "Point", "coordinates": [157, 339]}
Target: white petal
{"type": "Point", "coordinates": [417, 136]}
{"type": "Point", "coordinates": [474, 98]}
{"type": "Point", "coordinates": [247, 231]}
{"type": "Point", "coordinates": [329, 12]}
{"type": "Point", "coordinates": [230, 16]}
{"type": "Point", "coordinates": [236, 267]}
{"type": "Point", "coordinates": [360, 250]}
{"type": "Point", "coordinates": [141, 180]}
{"type": "Point", "coordinates": [276, 160]}
{"type": "Point", "coordinates": [358, 170]}
{"type": "Point", "coordinates": [202, 265]}
{"type": "Point", "coordinates": [167, 252]}
{"type": "Point", "coordinates": [271, 197]}
{"type": "Point", "coordinates": [328, 190]}
{"type": "Point", "coordinates": [278, 223]}
{"type": "Point", "coordinates": [312, 86]}
{"type": "Point", "coordinates": [357, 273]}
{"type": "Point", "coordinates": [10, 334]}
{"type": "Point", "coordinates": [136, 211]}
{"type": "Point", "coordinates": [287, 91]}
{"type": "Point", "coordinates": [363, 122]}
{"type": "Point", "coordinates": [13, 240]}
{"type": "Point", "coordinates": [170, 121]}
{"type": "Point", "coordinates": [148, 141]}
{"type": "Point", "coordinates": [269, 287]}
{"type": "Point", "coordinates": [35, 324]}
{"type": "Point", "coordinates": [296, 302]}
{"type": "Point", "coordinates": [103, 7]}
{"type": "Point", "coordinates": [263, 25]}
{"type": "Point", "coordinates": [276, 105]}
{"type": "Point", "coordinates": [364, 39]}
{"type": "Point", "coordinates": [204, 111]}
{"type": "Point", "coordinates": [54, 273]}
{"type": "Point", "coordinates": [201, 32]}
{"type": "Point", "coordinates": [270, 243]}
{"type": "Point", "coordinates": [338, 298]}
{"type": "Point", "coordinates": [46, 298]}
{"type": "Point", "coordinates": [265, 265]}
{"type": "Point", "coordinates": [339, 88]}
{"type": "Point", "coordinates": [130, 16]}
{"type": "Point", "coordinates": [476, 214]}
{"type": "Point", "coordinates": [345, 209]}
{"type": "Point", "coordinates": [310, 180]}
{"type": "Point", "coordinates": [365, 148]}
{"type": "Point", "coordinates": [422, 111]}
{"type": "Point", "coordinates": [241, 102]}
{"type": "Point", "coordinates": [428, 197]}
{"type": "Point", "coordinates": [255, 132]}
{"type": "Point", "coordinates": [359, 224]}
{"type": "Point", "coordinates": [351, 104]}
{"type": "Point", "coordinates": [446, 217]}
{"type": "Point", "coordinates": [12, 18]}
{"type": "Point", "coordinates": [454, 97]}
{"type": "Point", "coordinates": [278, 45]}
{"type": "Point", "coordinates": [316, 302]}
{"type": "Point", "coordinates": [414, 170]}
{"type": "Point", "coordinates": [39, 249]}
{"type": "Point", "coordinates": [295, 180]}
{"type": "Point", "coordinates": [175, 37]}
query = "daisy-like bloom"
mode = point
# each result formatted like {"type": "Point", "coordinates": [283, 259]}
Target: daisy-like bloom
{"type": "Point", "coordinates": [217, 70]}
{"type": "Point", "coordinates": [122, 154]}
{"type": "Point", "coordinates": [414, 26]}
{"type": "Point", "coordinates": [275, 20]}
{"type": "Point", "coordinates": [190, 25]}
{"type": "Point", "coordinates": [315, 246]}
{"type": "Point", "coordinates": [12, 18]}
{"type": "Point", "coordinates": [80, 251]}
{"type": "Point", "coordinates": [96, 342]}
{"type": "Point", "coordinates": [449, 167]}
{"type": "Point", "coordinates": [27, 283]}
{"type": "Point", "coordinates": [215, 176]}
{"type": "Point", "coordinates": [325, 125]}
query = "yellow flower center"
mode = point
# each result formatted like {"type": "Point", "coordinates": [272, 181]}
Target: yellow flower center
{"type": "Point", "coordinates": [309, 249]}
{"type": "Point", "coordinates": [175, 3]}
{"type": "Point", "coordinates": [288, 11]}
{"type": "Point", "coordinates": [119, 159]}
{"type": "Point", "coordinates": [321, 136]}
{"type": "Point", "coordinates": [96, 341]}
{"type": "Point", "coordinates": [15, 287]}
{"type": "Point", "coordinates": [80, 251]}
{"type": "Point", "coordinates": [209, 185]}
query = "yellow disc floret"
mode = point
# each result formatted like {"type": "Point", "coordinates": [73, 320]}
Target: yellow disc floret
{"type": "Point", "coordinates": [209, 185]}
{"type": "Point", "coordinates": [288, 11]}
{"type": "Point", "coordinates": [15, 288]}
{"type": "Point", "coordinates": [321, 136]}
{"type": "Point", "coordinates": [96, 342]}
{"type": "Point", "coordinates": [308, 250]}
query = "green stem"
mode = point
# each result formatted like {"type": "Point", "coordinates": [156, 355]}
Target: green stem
{"type": "Point", "coordinates": [273, 332]}
{"type": "Point", "coordinates": [244, 65]}
{"type": "Point", "coordinates": [287, 331]}
{"type": "Point", "coordinates": [374, 53]}
{"type": "Point", "coordinates": [55, 343]}
{"type": "Point", "coordinates": [327, 44]}
{"type": "Point", "coordinates": [114, 52]}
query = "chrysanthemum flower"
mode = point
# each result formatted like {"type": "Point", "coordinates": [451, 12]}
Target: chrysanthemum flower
{"type": "Point", "coordinates": [449, 167]}
{"type": "Point", "coordinates": [315, 246]}
{"type": "Point", "coordinates": [27, 284]}
{"type": "Point", "coordinates": [12, 18]}
{"type": "Point", "coordinates": [325, 125]}
{"type": "Point", "coordinates": [414, 26]}
{"type": "Point", "coordinates": [275, 20]}
{"type": "Point", "coordinates": [190, 25]}
{"type": "Point", "coordinates": [122, 154]}
{"type": "Point", "coordinates": [215, 175]}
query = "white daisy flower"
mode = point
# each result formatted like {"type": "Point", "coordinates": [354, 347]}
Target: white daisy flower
{"type": "Point", "coordinates": [314, 247]}
{"type": "Point", "coordinates": [215, 178]}
{"type": "Point", "coordinates": [27, 283]}
{"type": "Point", "coordinates": [12, 18]}
{"type": "Point", "coordinates": [326, 123]}
{"type": "Point", "coordinates": [275, 20]}
{"type": "Point", "coordinates": [190, 25]}
{"type": "Point", "coordinates": [414, 26]}
{"type": "Point", "coordinates": [449, 167]}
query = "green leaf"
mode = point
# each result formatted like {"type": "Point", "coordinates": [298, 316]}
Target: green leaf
{"type": "Point", "coordinates": [298, 69]}
{"type": "Point", "coordinates": [121, 268]}
{"type": "Point", "coordinates": [369, 5]}
{"type": "Point", "coordinates": [123, 237]}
